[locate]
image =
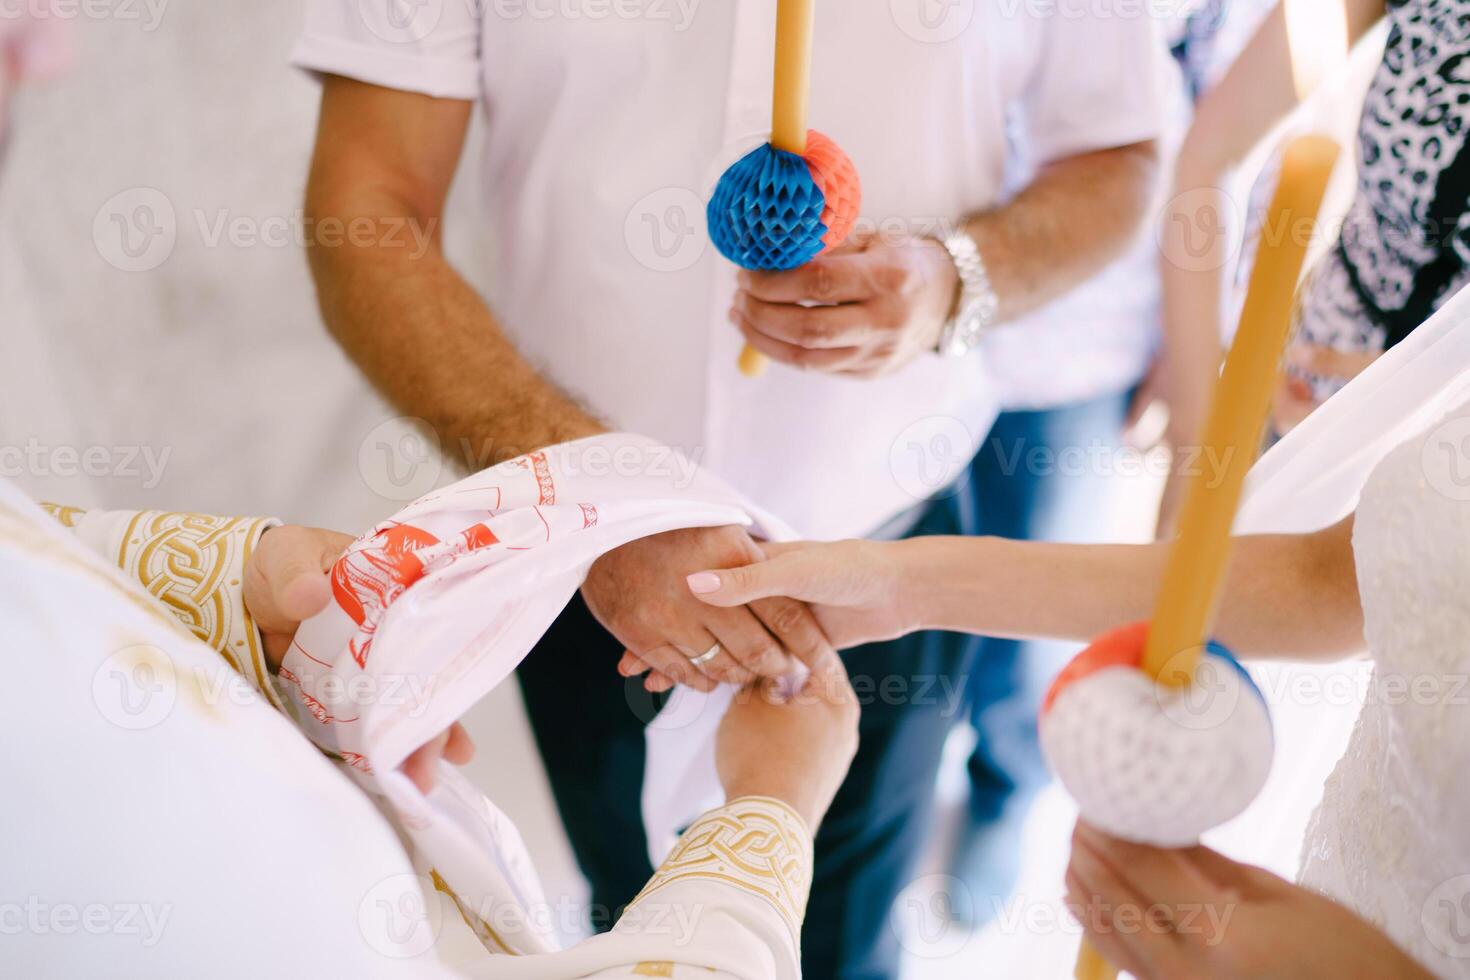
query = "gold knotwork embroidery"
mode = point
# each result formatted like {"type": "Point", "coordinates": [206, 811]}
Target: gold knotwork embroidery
{"type": "Point", "coordinates": [759, 846]}
{"type": "Point", "coordinates": [193, 563]}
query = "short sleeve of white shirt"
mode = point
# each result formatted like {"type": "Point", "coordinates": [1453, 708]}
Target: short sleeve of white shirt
{"type": "Point", "coordinates": [1101, 79]}
{"type": "Point", "coordinates": [427, 46]}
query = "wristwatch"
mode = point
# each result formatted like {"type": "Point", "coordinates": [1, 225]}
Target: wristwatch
{"type": "Point", "coordinates": [974, 314]}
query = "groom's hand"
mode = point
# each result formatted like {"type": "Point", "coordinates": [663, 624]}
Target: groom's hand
{"type": "Point", "coordinates": [639, 594]}
{"type": "Point", "coordinates": [286, 583]}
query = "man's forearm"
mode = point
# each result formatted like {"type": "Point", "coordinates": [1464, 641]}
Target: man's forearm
{"type": "Point", "coordinates": [1076, 217]}
{"type": "Point", "coordinates": [429, 343]}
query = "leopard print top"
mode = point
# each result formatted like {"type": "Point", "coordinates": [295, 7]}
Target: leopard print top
{"type": "Point", "coordinates": [1405, 244]}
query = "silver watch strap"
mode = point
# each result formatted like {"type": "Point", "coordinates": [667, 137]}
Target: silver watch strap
{"type": "Point", "coordinates": [978, 303]}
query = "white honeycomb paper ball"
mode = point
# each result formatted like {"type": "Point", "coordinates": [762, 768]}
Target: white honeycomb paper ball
{"type": "Point", "coordinates": [1159, 765]}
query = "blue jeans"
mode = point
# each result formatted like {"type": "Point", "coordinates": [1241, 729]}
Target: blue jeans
{"type": "Point", "coordinates": [588, 724]}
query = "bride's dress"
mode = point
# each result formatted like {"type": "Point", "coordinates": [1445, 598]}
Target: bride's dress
{"type": "Point", "coordinates": [1391, 838]}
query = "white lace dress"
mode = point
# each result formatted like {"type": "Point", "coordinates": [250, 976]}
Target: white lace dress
{"type": "Point", "coordinates": [1391, 838]}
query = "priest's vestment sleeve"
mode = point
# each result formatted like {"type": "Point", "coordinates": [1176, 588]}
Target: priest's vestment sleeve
{"type": "Point", "coordinates": [194, 565]}
{"type": "Point", "coordinates": [727, 904]}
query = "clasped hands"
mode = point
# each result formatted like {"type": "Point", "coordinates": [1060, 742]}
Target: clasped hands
{"type": "Point", "coordinates": [639, 592]}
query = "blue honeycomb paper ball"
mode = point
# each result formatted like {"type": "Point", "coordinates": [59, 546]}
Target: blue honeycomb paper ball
{"type": "Point", "coordinates": [766, 212]}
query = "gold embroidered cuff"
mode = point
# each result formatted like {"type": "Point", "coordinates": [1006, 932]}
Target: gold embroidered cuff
{"type": "Point", "coordinates": [754, 843]}
{"type": "Point", "coordinates": [194, 565]}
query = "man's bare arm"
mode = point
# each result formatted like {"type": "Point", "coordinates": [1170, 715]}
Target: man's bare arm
{"type": "Point", "coordinates": [430, 344]}
{"type": "Point", "coordinates": [1078, 215]}
{"type": "Point", "coordinates": [417, 329]}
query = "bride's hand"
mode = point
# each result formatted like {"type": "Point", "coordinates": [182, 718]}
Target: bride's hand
{"type": "Point", "coordinates": [858, 589]}
{"type": "Point", "coordinates": [1195, 913]}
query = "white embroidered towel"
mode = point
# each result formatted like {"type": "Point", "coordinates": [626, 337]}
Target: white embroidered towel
{"type": "Point", "coordinates": [435, 607]}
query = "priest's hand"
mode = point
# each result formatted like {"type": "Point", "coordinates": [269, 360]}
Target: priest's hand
{"type": "Point", "coordinates": [795, 748]}
{"type": "Point", "coordinates": [1194, 913]}
{"type": "Point", "coordinates": [639, 594]}
{"type": "Point", "coordinates": [862, 310]}
{"type": "Point", "coordinates": [857, 589]}
{"type": "Point", "coordinates": [285, 583]}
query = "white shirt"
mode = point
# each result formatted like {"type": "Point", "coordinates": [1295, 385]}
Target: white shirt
{"type": "Point", "coordinates": [610, 120]}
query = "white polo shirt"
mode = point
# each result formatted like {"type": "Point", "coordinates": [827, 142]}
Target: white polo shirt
{"type": "Point", "coordinates": [609, 121]}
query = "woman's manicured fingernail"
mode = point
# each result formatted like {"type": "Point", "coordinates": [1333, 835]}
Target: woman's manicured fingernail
{"type": "Point", "coordinates": [703, 583]}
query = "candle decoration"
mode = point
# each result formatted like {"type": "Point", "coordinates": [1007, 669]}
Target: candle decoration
{"type": "Point", "coordinates": [1176, 637]}
{"type": "Point", "coordinates": [790, 199]}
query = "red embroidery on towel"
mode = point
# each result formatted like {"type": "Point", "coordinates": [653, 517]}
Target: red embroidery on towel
{"type": "Point", "coordinates": [357, 761]}
{"type": "Point", "coordinates": [318, 710]}
{"type": "Point", "coordinates": [589, 516]}
{"type": "Point", "coordinates": [478, 537]}
{"type": "Point", "coordinates": [545, 485]}
{"type": "Point", "coordinates": [366, 580]}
